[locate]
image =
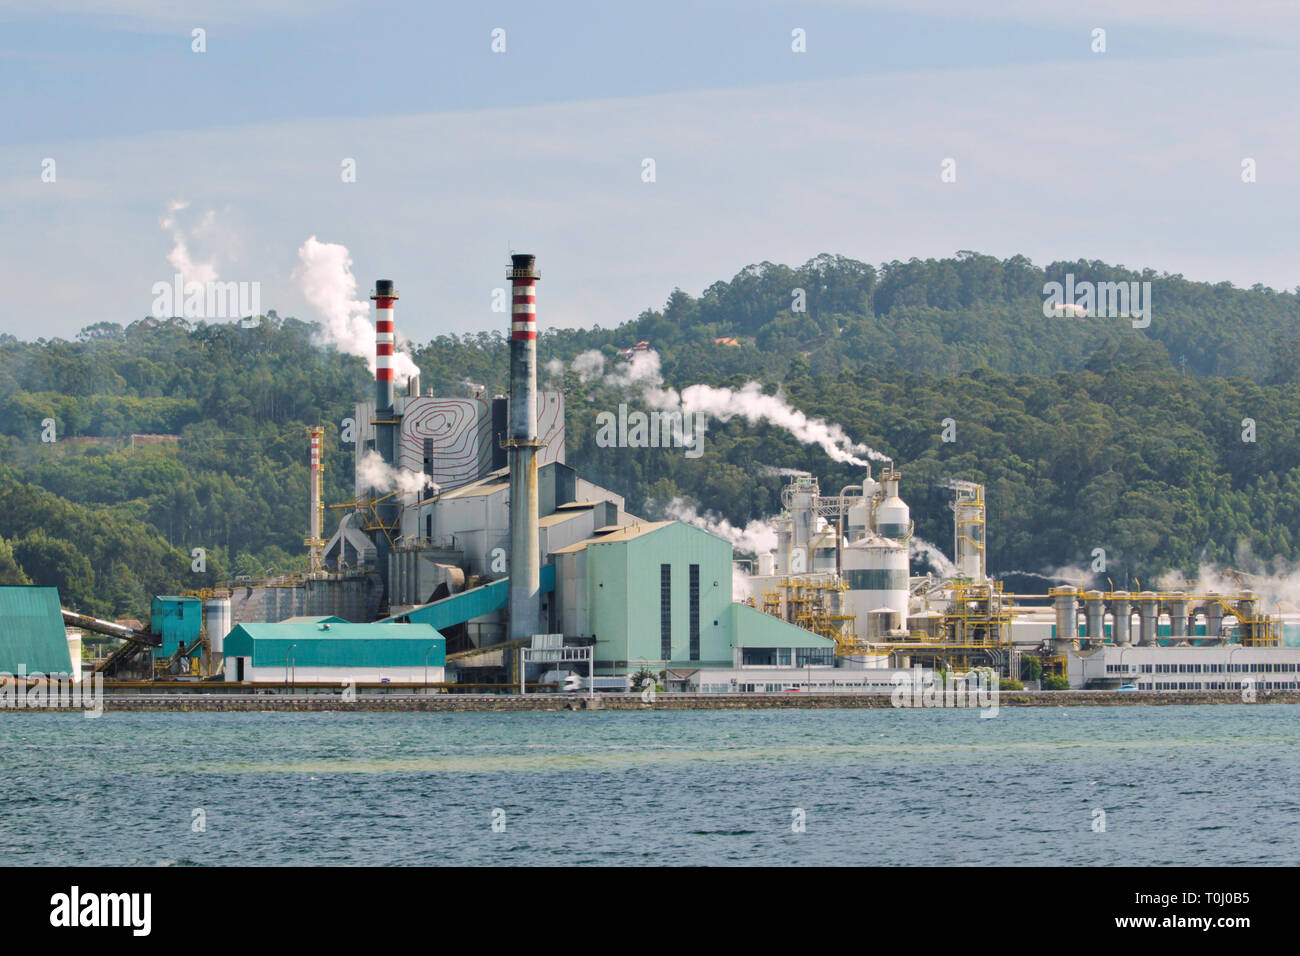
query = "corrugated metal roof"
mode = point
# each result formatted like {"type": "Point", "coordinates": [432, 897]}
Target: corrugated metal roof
{"type": "Point", "coordinates": [560, 517]}
{"type": "Point", "coordinates": [475, 491]}
{"type": "Point", "coordinates": [306, 644]}
{"type": "Point", "coordinates": [32, 636]}
{"type": "Point", "coordinates": [621, 534]}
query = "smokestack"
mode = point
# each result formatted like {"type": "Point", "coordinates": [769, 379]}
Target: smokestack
{"type": "Point", "coordinates": [522, 444]}
{"type": "Point", "coordinates": [385, 421]}
{"type": "Point", "coordinates": [384, 296]}
{"type": "Point", "coordinates": [316, 510]}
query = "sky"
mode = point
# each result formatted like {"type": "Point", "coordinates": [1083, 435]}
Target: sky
{"type": "Point", "coordinates": [223, 163]}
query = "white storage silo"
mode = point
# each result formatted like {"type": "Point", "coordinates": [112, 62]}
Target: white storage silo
{"type": "Point", "coordinates": [216, 622]}
{"type": "Point", "coordinates": [876, 571]}
{"type": "Point", "coordinates": [893, 517]}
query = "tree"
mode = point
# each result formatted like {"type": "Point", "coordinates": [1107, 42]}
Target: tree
{"type": "Point", "coordinates": [10, 570]}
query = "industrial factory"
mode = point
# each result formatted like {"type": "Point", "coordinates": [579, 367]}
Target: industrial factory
{"type": "Point", "coordinates": [473, 556]}
{"type": "Point", "coordinates": [842, 569]}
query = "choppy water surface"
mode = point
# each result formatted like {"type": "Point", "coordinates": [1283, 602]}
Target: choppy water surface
{"type": "Point", "coordinates": [1178, 785]}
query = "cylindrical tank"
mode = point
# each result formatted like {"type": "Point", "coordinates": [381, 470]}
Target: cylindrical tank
{"type": "Point", "coordinates": [880, 623]}
{"type": "Point", "coordinates": [803, 511]}
{"type": "Point", "coordinates": [766, 564]}
{"type": "Point", "coordinates": [1178, 615]}
{"type": "Point", "coordinates": [893, 518]}
{"type": "Point", "coordinates": [821, 548]}
{"type": "Point", "coordinates": [1122, 609]}
{"type": "Point", "coordinates": [859, 518]}
{"type": "Point", "coordinates": [784, 545]}
{"type": "Point", "coordinates": [1067, 613]}
{"type": "Point", "coordinates": [1248, 609]}
{"type": "Point", "coordinates": [876, 570]}
{"type": "Point", "coordinates": [1149, 610]}
{"type": "Point", "coordinates": [927, 623]}
{"type": "Point", "coordinates": [217, 622]}
{"type": "Point", "coordinates": [1095, 615]}
{"type": "Point", "coordinates": [1213, 616]}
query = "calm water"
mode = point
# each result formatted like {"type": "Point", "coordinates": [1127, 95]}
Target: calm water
{"type": "Point", "coordinates": [1179, 785]}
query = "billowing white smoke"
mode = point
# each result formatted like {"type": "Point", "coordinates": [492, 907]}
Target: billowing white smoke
{"type": "Point", "coordinates": [784, 472]}
{"type": "Point", "coordinates": [642, 373]}
{"type": "Point", "coordinates": [742, 588]}
{"type": "Point", "coordinates": [375, 473]}
{"type": "Point", "coordinates": [757, 537]}
{"type": "Point", "coordinates": [180, 258]}
{"type": "Point", "coordinates": [1274, 581]}
{"type": "Point", "coordinates": [938, 560]}
{"type": "Point", "coordinates": [327, 283]}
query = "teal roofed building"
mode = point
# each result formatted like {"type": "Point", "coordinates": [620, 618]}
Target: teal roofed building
{"type": "Point", "coordinates": [325, 650]}
{"type": "Point", "coordinates": [33, 639]}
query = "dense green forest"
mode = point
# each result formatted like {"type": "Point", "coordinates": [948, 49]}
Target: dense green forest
{"type": "Point", "coordinates": [1087, 432]}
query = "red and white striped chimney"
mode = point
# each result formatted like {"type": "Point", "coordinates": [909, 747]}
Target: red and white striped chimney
{"type": "Point", "coordinates": [384, 297]}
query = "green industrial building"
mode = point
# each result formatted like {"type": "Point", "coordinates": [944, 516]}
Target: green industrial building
{"type": "Point", "coordinates": [326, 650]}
{"type": "Point", "coordinates": [178, 621]}
{"type": "Point", "coordinates": [659, 594]}
{"type": "Point", "coordinates": [32, 636]}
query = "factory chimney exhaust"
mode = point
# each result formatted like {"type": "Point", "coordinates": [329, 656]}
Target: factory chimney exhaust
{"type": "Point", "coordinates": [522, 444]}
{"type": "Point", "coordinates": [385, 421]}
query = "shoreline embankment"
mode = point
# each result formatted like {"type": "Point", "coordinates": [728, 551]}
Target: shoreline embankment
{"type": "Point", "coordinates": [454, 703]}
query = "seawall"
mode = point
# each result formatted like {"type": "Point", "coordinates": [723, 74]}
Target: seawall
{"type": "Point", "coordinates": [451, 703]}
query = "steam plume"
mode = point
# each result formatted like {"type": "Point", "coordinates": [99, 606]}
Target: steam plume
{"type": "Point", "coordinates": [327, 283]}
{"type": "Point", "coordinates": [641, 373]}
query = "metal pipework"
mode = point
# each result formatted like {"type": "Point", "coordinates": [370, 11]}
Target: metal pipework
{"type": "Point", "coordinates": [968, 530]}
{"type": "Point", "coordinates": [1149, 610]}
{"type": "Point", "coordinates": [1122, 609]}
{"type": "Point", "coordinates": [316, 509]}
{"type": "Point", "coordinates": [522, 444]}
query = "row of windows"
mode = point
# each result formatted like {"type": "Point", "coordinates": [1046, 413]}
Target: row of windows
{"type": "Point", "coordinates": [787, 656]}
{"type": "Point", "coordinates": [1276, 668]}
{"type": "Point", "coordinates": [781, 687]}
{"type": "Point", "coordinates": [1219, 685]}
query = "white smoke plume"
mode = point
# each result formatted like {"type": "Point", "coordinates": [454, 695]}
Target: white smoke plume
{"type": "Point", "coordinates": [375, 473]}
{"type": "Point", "coordinates": [1276, 581]}
{"type": "Point", "coordinates": [757, 537]}
{"type": "Point", "coordinates": [180, 257]}
{"type": "Point", "coordinates": [1074, 572]}
{"type": "Point", "coordinates": [784, 472]}
{"type": "Point", "coordinates": [1070, 574]}
{"type": "Point", "coordinates": [742, 587]}
{"type": "Point", "coordinates": [938, 560]}
{"type": "Point", "coordinates": [642, 373]}
{"type": "Point", "coordinates": [327, 283]}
